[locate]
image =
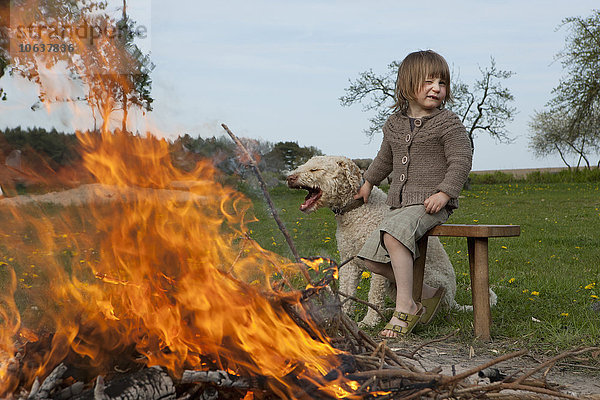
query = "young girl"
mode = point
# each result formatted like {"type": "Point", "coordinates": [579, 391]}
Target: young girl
{"type": "Point", "coordinates": [426, 149]}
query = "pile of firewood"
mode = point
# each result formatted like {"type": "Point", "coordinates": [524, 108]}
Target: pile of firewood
{"type": "Point", "coordinates": [380, 373]}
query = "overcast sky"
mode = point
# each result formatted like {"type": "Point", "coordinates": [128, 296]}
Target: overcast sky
{"type": "Point", "coordinates": [275, 70]}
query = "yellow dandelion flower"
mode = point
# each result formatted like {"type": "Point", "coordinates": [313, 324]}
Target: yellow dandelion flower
{"type": "Point", "coordinates": [564, 314]}
{"type": "Point", "coordinates": [531, 298]}
{"type": "Point", "coordinates": [358, 287]}
{"type": "Point", "coordinates": [593, 296]}
{"type": "Point", "coordinates": [590, 286]}
{"type": "Point", "coordinates": [504, 247]}
{"type": "Point", "coordinates": [525, 291]}
{"type": "Point", "coordinates": [458, 252]}
{"type": "Point", "coordinates": [511, 280]}
{"type": "Point", "coordinates": [475, 220]}
{"type": "Point", "coordinates": [535, 293]}
{"type": "Point", "coordinates": [366, 275]}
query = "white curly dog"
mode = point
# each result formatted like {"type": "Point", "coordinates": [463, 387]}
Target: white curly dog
{"type": "Point", "coordinates": [331, 182]}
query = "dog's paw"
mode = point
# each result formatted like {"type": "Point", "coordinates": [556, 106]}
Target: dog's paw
{"type": "Point", "coordinates": [370, 320]}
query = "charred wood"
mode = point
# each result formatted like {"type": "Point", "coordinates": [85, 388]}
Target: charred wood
{"type": "Point", "coordinates": [223, 379]}
{"type": "Point", "coordinates": [147, 384]}
{"type": "Point", "coordinates": [50, 383]}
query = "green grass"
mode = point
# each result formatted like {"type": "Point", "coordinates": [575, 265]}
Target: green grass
{"type": "Point", "coordinates": [565, 176]}
{"type": "Point", "coordinates": [547, 279]}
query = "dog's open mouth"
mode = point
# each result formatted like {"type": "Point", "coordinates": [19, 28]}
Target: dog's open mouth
{"type": "Point", "coordinates": [314, 194]}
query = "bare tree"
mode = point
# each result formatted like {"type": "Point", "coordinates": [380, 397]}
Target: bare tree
{"type": "Point", "coordinates": [483, 106]}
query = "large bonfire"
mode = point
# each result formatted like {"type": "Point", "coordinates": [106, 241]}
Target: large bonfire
{"type": "Point", "coordinates": [163, 275]}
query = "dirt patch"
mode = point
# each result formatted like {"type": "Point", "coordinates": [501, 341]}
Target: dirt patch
{"type": "Point", "coordinates": [577, 379]}
{"type": "Point", "coordinates": [99, 194]}
{"type": "Point", "coordinates": [520, 173]}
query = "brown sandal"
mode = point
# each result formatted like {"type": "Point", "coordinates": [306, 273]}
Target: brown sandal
{"type": "Point", "coordinates": [432, 305]}
{"type": "Point", "coordinates": [410, 319]}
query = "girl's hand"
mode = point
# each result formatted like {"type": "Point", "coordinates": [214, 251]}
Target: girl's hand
{"type": "Point", "coordinates": [436, 202]}
{"type": "Point", "coordinates": [364, 192]}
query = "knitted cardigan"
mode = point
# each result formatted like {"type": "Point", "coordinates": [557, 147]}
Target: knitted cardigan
{"type": "Point", "coordinates": [435, 157]}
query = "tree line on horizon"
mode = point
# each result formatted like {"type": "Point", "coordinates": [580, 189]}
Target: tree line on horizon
{"type": "Point", "coordinates": [55, 150]}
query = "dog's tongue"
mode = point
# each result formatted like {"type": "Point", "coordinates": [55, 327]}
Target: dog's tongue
{"type": "Point", "coordinates": [310, 199]}
{"type": "Point", "coordinates": [307, 204]}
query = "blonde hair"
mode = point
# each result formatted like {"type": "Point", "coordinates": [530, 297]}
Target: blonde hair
{"type": "Point", "coordinates": [412, 73]}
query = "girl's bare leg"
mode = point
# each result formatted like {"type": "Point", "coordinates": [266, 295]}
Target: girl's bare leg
{"type": "Point", "coordinates": [385, 269]}
{"type": "Point", "coordinates": [402, 266]}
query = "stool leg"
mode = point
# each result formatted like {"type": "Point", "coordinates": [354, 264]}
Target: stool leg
{"type": "Point", "coordinates": [419, 269]}
{"type": "Point", "coordinates": [478, 265]}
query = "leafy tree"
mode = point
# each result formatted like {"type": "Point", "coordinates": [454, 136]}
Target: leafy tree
{"type": "Point", "coordinates": [571, 123]}
{"type": "Point", "coordinates": [551, 135]}
{"type": "Point", "coordinates": [112, 68]}
{"type": "Point", "coordinates": [484, 106]}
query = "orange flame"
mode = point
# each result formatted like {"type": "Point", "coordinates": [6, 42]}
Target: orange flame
{"type": "Point", "coordinates": [160, 273]}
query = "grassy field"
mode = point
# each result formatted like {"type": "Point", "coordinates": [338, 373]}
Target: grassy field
{"type": "Point", "coordinates": [547, 280]}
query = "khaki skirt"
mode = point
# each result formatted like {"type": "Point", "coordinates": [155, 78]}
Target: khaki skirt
{"type": "Point", "coordinates": [406, 224]}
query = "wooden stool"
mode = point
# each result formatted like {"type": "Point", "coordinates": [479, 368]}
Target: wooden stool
{"type": "Point", "coordinates": [477, 244]}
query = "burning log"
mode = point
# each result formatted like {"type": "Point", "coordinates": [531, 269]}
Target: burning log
{"type": "Point", "coordinates": [147, 384]}
{"type": "Point", "coordinates": [222, 379]}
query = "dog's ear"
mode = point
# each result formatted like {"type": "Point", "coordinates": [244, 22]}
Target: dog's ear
{"type": "Point", "coordinates": [351, 171]}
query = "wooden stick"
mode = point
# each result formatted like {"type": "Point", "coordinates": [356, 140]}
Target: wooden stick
{"type": "Point", "coordinates": [475, 370]}
{"type": "Point", "coordinates": [552, 361]}
{"type": "Point", "coordinates": [495, 387]}
{"type": "Point", "coordinates": [414, 352]}
{"type": "Point", "coordinates": [366, 303]}
{"type": "Point", "coordinates": [263, 187]}
{"type": "Point", "coordinates": [271, 260]}
{"type": "Point", "coordinates": [398, 373]}
{"type": "Point", "coordinates": [418, 394]}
